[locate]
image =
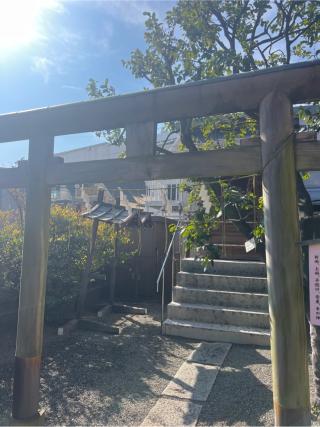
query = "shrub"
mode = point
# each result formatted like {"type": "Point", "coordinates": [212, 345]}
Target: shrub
{"type": "Point", "coordinates": [69, 240]}
{"type": "Point", "coordinates": [10, 248]}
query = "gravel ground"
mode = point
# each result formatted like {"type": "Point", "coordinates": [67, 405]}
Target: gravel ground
{"type": "Point", "coordinates": [242, 393]}
{"type": "Point", "coordinates": [95, 379]}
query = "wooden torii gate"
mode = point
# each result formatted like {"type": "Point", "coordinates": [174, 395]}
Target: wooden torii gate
{"type": "Point", "coordinates": [270, 92]}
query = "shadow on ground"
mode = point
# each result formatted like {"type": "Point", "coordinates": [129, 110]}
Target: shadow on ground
{"type": "Point", "coordinates": [92, 378]}
{"type": "Point", "coordinates": [242, 393]}
{"type": "Point", "coordinates": [96, 379]}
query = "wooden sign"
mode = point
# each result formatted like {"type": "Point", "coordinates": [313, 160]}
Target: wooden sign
{"type": "Point", "coordinates": [314, 283]}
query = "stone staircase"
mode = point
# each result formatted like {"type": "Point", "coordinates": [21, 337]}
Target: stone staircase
{"type": "Point", "coordinates": [227, 303]}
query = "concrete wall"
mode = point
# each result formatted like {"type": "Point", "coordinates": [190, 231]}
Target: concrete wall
{"type": "Point", "coordinates": [93, 152]}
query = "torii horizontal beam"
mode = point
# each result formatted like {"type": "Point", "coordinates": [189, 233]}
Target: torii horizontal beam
{"type": "Point", "coordinates": [236, 93]}
{"type": "Point", "coordinates": [217, 163]}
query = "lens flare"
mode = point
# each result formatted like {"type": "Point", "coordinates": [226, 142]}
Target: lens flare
{"type": "Point", "coordinates": [21, 23]}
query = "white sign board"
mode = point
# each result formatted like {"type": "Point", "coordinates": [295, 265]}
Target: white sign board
{"type": "Point", "coordinates": [250, 245]}
{"type": "Point", "coordinates": [314, 283]}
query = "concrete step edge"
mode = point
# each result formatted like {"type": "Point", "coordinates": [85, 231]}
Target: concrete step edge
{"type": "Point", "coordinates": [220, 292]}
{"type": "Point", "coordinates": [217, 308]}
{"type": "Point", "coordinates": [218, 326]}
{"type": "Point", "coordinates": [228, 261]}
{"type": "Point", "coordinates": [226, 276]}
{"type": "Point", "coordinates": [252, 268]}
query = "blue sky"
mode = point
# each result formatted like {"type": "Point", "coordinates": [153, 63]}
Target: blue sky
{"type": "Point", "coordinates": [51, 48]}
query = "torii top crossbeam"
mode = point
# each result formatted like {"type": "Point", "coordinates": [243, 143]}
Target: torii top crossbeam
{"type": "Point", "coordinates": [140, 112]}
{"type": "Point", "coordinates": [235, 93]}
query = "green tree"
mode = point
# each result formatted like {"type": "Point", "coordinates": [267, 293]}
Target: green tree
{"type": "Point", "coordinates": [205, 39]}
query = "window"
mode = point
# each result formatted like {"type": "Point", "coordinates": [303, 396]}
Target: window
{"type": "Point", "coordinates": [55, 192]}
{"type": "Point", "coordinates": [173, 192]}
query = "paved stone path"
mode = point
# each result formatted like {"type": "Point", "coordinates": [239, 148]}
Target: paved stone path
{"type": "Point", "coordinates": [182, 400]}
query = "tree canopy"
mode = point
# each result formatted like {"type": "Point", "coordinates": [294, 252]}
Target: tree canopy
{"type": "Point", "coordinates": [203, 39]}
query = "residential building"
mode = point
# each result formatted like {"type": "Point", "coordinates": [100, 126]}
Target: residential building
{"type": "Point", "coordinates": [161, 197]}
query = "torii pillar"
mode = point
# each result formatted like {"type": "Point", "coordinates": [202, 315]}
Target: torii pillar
{"type": "Point", "coordinates": [284, 265]}
{"type": "Point", "coordinates": [33, 282]}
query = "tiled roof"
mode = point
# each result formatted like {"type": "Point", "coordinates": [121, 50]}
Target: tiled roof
{"type": "Point", "coordinates": [118, 215]}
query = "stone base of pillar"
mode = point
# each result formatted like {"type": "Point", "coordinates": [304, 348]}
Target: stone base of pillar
{"type": "Point", "coordinates": [37, 420]}
{"type": "Point", "coordinates": [26, 386]}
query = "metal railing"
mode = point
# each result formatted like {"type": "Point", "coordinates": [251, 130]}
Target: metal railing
{"type": "Point", "coordinates": [162, 271]}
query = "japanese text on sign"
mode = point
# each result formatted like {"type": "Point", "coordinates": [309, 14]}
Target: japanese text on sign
{"type": "Point", "coordinates": [314, 283]}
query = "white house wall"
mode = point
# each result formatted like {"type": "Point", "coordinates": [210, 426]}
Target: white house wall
{"type": "Point", "coordinates": [156, 191]}
{"type": "Point", "coordinates": [93, 152]}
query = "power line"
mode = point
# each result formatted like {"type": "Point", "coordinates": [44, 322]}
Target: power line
{"type": "Point", "coordinates": [191, 184]}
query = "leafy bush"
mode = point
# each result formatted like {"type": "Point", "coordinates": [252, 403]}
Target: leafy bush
{"type": "Point", "coordinates": [69, 241]}
{"type": "Point", "coordinates": [197, 234]}
{"type": "Point", "coordinates": [210, 203]}
{"type": "Point", "coordinates": [10, 248]}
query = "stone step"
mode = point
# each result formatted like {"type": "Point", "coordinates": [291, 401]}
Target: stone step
{"type": "Point", "coordinates": [220, 298]}
{"type": "Point", "coordinates": [217, 332]}
{"type": "Point", "coordinates": [237, 268]}
{"type": "Point", "coordinates": [215, 314]}
{"type": "Point", "coordinates": [222, 282]}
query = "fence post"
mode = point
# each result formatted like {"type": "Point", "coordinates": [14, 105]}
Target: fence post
{"type": "Point", "coordinates": [85, 276]}
{"type": "Point", "coordinates": [33, 282]}
{"type": "Point", "coordinates": [284, 266]}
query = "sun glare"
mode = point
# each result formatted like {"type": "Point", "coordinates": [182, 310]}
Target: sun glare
{"type": "Point", "coordinates": [20, 22]}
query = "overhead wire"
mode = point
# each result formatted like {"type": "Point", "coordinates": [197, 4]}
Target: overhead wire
{"type": "Point", "coordinates": [191, 184]}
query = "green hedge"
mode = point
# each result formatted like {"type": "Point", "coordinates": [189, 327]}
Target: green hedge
{"type": "Point", "coordinates": [68, 247]}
